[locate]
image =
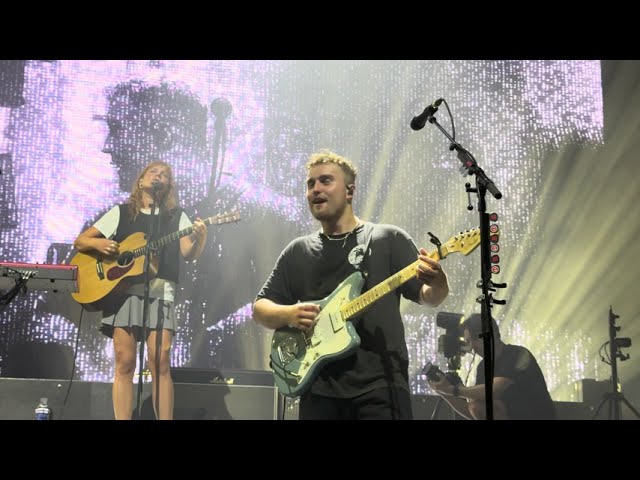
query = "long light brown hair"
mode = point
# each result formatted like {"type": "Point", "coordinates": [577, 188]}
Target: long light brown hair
{"type": "Point", "coordinates": [168, 199]}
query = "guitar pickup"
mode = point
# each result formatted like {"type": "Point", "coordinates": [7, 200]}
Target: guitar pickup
{"type": "Point", "coordinates": [100, 269]}
{"type": "Point", "coordinates": [336, 321]}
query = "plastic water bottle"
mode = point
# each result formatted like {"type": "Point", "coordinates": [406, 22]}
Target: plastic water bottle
{"type": "Point", "coordinates": [43, 412]}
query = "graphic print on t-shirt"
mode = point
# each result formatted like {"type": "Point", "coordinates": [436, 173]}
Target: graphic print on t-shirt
{"type": "Point", "coordinates": [356, 255]}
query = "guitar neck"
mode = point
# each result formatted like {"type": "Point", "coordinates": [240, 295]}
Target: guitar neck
{"type": "Point", "coordinates": [162, 241]}
{"type": "Point", "coordinates": [359, 304]}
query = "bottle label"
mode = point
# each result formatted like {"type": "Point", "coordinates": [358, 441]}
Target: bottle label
{"type": "Point", "coordinates": [42, 414]}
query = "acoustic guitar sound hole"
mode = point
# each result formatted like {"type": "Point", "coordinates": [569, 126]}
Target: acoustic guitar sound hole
{"type": "Point", "coordinates": [125, 259]}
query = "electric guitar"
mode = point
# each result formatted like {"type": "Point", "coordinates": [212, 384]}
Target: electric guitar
{"type": "Point", "coordinates": [99, 276]}
{"type": "Point", "coordinates": [297, 356]}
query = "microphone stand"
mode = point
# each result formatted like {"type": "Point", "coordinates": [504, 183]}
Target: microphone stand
{"type": "Point", "coordinates": [483, 183]}
{"type": "Point", "coordinates": [145, 310]}
{"type": "Point", "coordinates": [201, 297]}
{"type": "Point", "coordinates": [221, 108]}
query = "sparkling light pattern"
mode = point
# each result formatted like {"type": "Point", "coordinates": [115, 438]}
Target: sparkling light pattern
{"type": "Point", "coordinates": [510, 114]}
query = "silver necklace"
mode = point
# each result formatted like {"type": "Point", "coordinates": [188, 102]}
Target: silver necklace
{"type": "Point", "coordinates": [346, 236]}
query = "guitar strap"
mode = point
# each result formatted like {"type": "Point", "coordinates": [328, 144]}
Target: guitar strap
{"type": "Point", "coordinates": [364, 238]}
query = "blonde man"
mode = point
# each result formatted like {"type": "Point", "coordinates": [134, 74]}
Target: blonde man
{"type": "Point", "coordinates": [372, 383]}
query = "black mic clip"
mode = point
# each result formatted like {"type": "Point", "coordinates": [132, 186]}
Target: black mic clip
{"type": "Point", "coordinates": [421, 120]}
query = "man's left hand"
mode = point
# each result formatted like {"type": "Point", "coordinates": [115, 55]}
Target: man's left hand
{"type": "Point", "coordinates": [430, 271]}
{"type": "Point", "coordinates": [442, 386]}
{"type": "Point", "coordinates": [433, 276]}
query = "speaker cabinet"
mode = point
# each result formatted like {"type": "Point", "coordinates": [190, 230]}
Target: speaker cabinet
{"type": "Point", "coordinates": [92, 400]}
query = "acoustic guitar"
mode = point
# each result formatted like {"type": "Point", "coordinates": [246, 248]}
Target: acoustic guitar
{"type": "Point", "coordinates": [100, 277]}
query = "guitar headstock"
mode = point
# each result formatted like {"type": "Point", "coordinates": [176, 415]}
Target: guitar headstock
{"type": "Point", "coordinates": [465, 242]}
{"type": "Point", "coordinates": [223, 218]}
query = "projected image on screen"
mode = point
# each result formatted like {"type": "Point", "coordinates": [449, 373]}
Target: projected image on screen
{"type": "Point", "coordinates": [237, 133]}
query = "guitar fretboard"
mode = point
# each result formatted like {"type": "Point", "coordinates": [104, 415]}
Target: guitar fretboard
{"type": "Point", "coordinates": [357, 305]}
{"type": "Point", "coordinates": [162, 241]}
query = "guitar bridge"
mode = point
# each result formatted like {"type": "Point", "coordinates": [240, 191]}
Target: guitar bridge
{"type": "Point", "coordinates": [100, 269]}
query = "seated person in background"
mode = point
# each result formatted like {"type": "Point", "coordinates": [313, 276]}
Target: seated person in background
{"type": "Point", "coordinates": [519, 388]}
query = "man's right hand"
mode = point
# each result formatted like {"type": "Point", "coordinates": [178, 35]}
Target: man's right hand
{"type": "Point", "coordinates": [302, 316]}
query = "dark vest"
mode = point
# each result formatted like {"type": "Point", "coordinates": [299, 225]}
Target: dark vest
{"type": "Point", "coordinates": [169, 222]}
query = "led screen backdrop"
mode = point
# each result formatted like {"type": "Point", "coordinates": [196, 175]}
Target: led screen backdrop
{"type": "Point", "coordinates": [75, 134]}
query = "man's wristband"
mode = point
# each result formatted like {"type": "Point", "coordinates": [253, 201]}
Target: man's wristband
{"type": "Point", "coordinates": [456, 390]}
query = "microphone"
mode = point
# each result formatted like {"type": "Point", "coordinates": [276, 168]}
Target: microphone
{"type": "Point", "coordinates": [420, 121]}
{"type": "Point", "coordinates": [156, 185]}
{"type": "Point", "coordinates": [221, 107]}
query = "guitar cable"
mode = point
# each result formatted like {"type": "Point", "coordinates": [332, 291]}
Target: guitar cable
{"type": "Point", "coordinates": [73, 368]}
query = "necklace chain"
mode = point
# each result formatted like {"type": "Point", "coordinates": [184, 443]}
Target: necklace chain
{"type": "Point", "coordinates": [345, 237]}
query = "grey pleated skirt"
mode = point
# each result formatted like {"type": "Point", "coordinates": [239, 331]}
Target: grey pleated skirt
{"type": "Point", "coordinates": [127, 312]}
